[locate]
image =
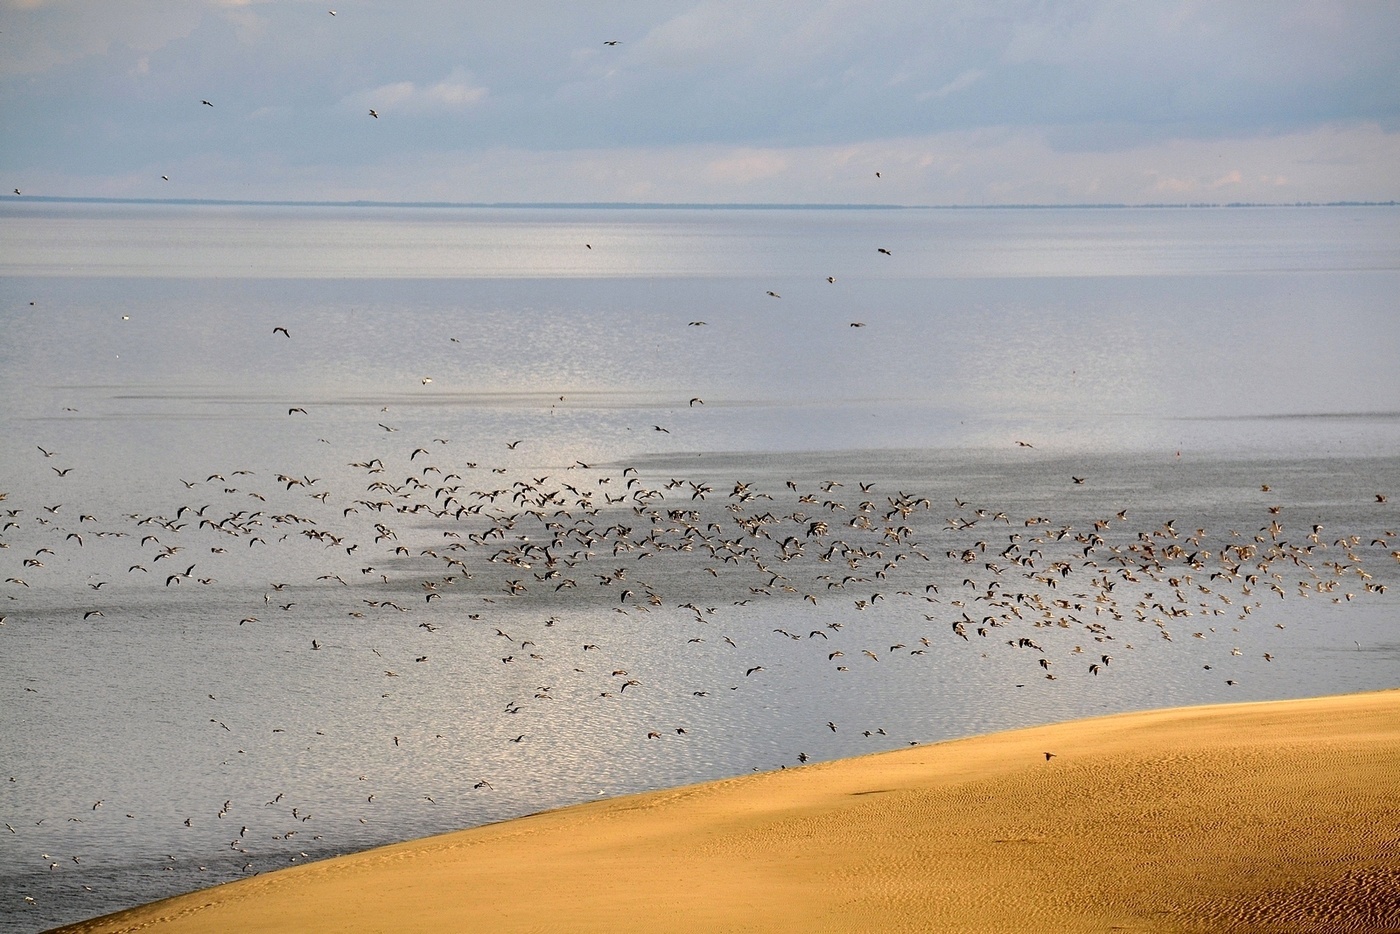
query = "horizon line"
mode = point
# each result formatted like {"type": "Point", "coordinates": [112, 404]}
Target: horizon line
{"type": "Point", "coordinates": [683, 205]}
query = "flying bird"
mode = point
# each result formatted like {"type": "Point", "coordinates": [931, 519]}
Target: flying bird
{"type": "Point", "coordinates": [374, 113]}
{"type": "Point", "coordinates": [283, 331]}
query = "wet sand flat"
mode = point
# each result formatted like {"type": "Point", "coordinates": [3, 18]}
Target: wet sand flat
{"type": "Point", "coordinates": [1278, 816]}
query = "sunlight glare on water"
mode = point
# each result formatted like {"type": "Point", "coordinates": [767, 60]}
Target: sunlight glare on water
{"type": "Point", "coordinates": [498, 506]}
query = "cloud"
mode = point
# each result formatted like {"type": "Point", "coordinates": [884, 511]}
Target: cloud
{"type": "Point", "coordinates": [455, 93]}
{"type": "Point", "coordinates": [44, 35]}
{"type": "Point", "coordinates": [961, 83]}
{"type": "Point", "coordinates": [987, 166]}
{"type": "Point", "coordinates": [746, 167]}
{"type": "Point", "coordinates": [952, 100]}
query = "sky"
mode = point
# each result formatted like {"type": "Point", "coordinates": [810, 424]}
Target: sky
{"type": "Point", "coordinates": [713, 101]}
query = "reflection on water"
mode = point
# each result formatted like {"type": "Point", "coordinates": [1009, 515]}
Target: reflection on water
{"type": "Point", "coordinates": [248, 636]}
{"type": "Point", "coordinates": [808, 244]}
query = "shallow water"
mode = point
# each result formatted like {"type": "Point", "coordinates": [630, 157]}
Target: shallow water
{"type": "Point", "coordinates": [1177, 361]}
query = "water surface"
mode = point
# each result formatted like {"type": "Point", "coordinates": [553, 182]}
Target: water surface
{"type": "Point", "coordinates": [296, 667]}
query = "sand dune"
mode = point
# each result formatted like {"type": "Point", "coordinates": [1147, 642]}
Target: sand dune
{"type": "Point", "coordinates": [1279, 816]}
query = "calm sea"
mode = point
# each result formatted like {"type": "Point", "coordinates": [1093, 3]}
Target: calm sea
{"type": "Point", "coordinates": [324, 528]}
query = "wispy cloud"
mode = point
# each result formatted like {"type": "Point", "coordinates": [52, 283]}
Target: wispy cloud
{"type": "Point", "coordinates": [961, 83]}
{"type": "Point", "coordinates": [454, 93]}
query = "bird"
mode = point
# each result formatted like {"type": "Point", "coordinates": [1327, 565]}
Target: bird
{"type": "Point", "coordinates": [206, 103]}
{"type": "Point", "coordinates": [283, 331]}
{"type": "Point", "coordinates": [857, 324]}
{"type": "Point", "coordinates": [611, 41]}
{"type": "Point", "coordinates": [880, 249]}
{"type": "Point", "coordinates": [165, 178]}
{"type": "Point", "coordinates": [374, 113]}
{"type": "Point", "coordinates": [774, 294]}
{"type": "Point", "coordinates": [1049, 756]}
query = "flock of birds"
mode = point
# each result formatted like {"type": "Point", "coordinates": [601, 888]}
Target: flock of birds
{"type": "Point", "coordinates": [418, 529]}
{"type": "Point", "coordinates": [530, 561]}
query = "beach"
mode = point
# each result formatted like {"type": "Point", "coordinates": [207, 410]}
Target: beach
{"type": "Point", "coordinates": [1275, 816]}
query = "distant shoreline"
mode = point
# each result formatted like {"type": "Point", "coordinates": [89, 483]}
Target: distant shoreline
{"type": "Point", "coordinates": [682, 206]}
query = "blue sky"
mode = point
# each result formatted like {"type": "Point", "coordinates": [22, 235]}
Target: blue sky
{"type": "Point", "coordinates": [713, 101]}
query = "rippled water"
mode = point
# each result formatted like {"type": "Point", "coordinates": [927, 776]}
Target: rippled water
{"type": "Point", "coordinates": [1179, 362]}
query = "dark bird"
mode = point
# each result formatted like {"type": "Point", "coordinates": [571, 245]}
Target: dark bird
{"type": "Point", "coordinates": [374, 113]}
{"type": "Point", "coordinates": [1049, 756]}
{"type": "Point", "coordinates": [753, 669]}
{"type": "Point", "coordinates": [881, 249]}
{"type": "Point", "coordinates": [775, 294]}
{"type": "Point", "coordinates": [206, 104]}
{"type": "Point", "coordinates": [611, 41]}
{"type": "Point", "coordinates": [295, 410]}
{"type": "Point", "coordinates": [282, 331]}
{"type": "Point", "coordinates": [1078, 480]}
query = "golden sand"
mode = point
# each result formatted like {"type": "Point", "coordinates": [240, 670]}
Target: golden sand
{"type": "Point", "coordinates": [1280, 816]}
